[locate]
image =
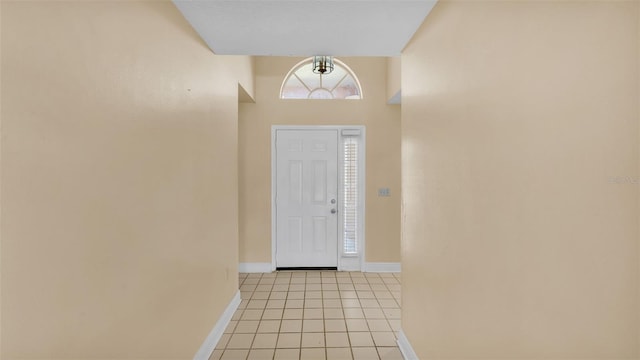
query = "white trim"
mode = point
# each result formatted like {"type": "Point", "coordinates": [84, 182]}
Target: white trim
{"type": "Point", "coordinates": [351, 263]}
{"type": "Point", "coordinates": [274, 186]}
{"type": "Point", "coordinates": [350, 132]}
{"type": "Point", "coordinates": [381, 267]}
{"type": "Point", "coordinates": [254, 267]}
{"type": "Point", "coordinates": [405, 347]}
{"type": "Point", "coordinates": [361, 178]}
{"type": "Point", "coordinates": [214, 336]}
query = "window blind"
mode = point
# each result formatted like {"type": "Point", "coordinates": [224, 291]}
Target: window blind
{"type": "Point", "coordinates": [350, 196]}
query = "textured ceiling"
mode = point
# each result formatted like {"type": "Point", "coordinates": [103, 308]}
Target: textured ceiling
{"type": "Point", "coordinates": [306, 27]}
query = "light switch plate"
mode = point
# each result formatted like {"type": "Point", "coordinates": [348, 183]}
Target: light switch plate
{"type": "Point", "coordinates": [384, 192]}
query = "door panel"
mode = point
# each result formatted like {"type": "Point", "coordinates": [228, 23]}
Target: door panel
{"type": "Point", "coordinates": [307, 182]}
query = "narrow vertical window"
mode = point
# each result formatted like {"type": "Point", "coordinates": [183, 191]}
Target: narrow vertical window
{"type": "Point", "coordinates": [350, 196]}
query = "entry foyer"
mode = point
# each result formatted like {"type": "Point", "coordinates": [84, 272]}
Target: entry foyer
{"type": "Point", "coordinates": [136, 164]}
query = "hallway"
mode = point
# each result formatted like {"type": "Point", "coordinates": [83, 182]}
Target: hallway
{"type": "Point", "coordinates": [501, 171]}
{"type": "Point", "coordinates": [314, 315]}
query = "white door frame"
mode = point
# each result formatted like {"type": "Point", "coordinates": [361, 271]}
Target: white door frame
{"type": "Point", "coordinates": [342, 264]}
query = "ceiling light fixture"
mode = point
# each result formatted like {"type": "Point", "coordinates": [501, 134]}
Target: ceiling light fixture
{"type": "Point", "coordinates": [322, 65]}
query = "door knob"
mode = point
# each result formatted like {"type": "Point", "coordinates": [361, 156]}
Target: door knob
{"type": "Point", "coordinates": [333, 211]}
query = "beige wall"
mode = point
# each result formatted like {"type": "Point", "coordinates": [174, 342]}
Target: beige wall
{"type": "Point", "coordinates": [119, 181]}
{"type": "Point", "coordinates": [383, 153]}
{"type": "Point", "coordinates": [519, 241]}
{"type": "Point", "coordinates": [244, 69]}
{"type": "Point", "coordinates": [393, 76]}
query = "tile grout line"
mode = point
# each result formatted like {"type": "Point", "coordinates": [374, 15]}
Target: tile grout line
{"type": "Point", "coordinates": [325, 279]}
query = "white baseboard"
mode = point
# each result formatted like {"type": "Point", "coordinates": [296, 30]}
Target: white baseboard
{"type": "Point", "coordinates": [211, 341]}
{"type": "Point", "coordinates": [405, 347]}
{"type": "Point", "coordinates": [381, 267]}
{"type": "Point", "coordinates": [368, 267]}
{"type": "Point", "coordinates": [254, 268]}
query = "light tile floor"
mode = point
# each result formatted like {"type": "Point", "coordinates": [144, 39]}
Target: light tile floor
{"type": "Point", "coordinates": [309, 315]}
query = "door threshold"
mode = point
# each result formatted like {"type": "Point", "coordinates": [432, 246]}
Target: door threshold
{"type": "Point", "coordinates": [308, 268]}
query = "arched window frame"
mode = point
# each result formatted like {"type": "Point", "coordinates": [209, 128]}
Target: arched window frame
{"type": "Point", "coordinates": [337, 64]}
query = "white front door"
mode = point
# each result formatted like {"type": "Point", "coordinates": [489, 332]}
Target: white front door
{"type": "Point", "coordinates": [306, 198]}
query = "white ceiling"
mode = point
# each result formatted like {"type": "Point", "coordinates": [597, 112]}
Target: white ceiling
{"type": "Point", "coordinates": [306, 27]}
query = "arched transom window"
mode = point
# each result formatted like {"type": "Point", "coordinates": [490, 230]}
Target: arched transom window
{"type": "Point", "coordinates": [302, 83]}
